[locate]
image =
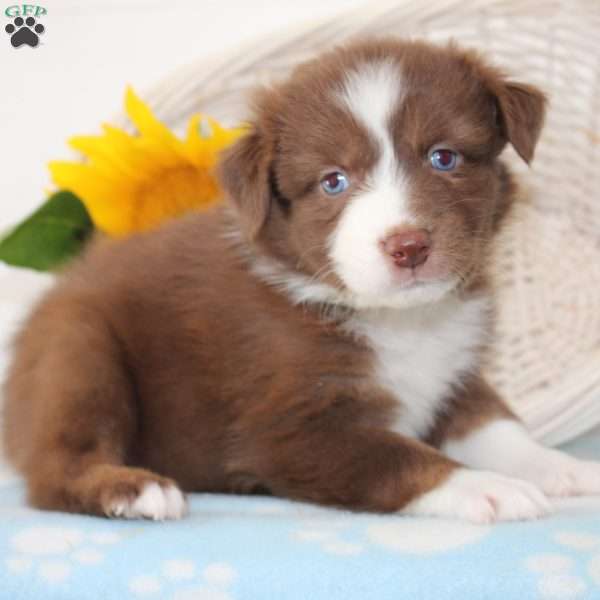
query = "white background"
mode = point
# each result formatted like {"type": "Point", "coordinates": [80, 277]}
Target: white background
{"type": "Point", "coordinates": [91, 50]}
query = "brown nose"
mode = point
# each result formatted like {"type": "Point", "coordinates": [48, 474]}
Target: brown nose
{"type": "Point", "coordinates": [409, 248]}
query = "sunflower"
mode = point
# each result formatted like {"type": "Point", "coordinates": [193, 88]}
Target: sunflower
{"type": "Point", "coordinates": [132, 183]}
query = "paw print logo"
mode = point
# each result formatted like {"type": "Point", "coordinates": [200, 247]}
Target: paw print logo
{"type": "Point", "coordinates": [24, 31]}
{"type": "Point", "coordinates": [180, 579]}
{"type": "Point", "coordinates": [53, 553]}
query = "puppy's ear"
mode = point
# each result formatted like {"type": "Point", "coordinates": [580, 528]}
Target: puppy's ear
{"type": "Point", "coordinates": [243, 172]}
{"type": "Point", "coordinates": [521, 111]}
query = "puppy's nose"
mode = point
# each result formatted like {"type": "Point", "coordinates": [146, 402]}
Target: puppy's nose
{"type": "Point", "coordinates": [408, 248]}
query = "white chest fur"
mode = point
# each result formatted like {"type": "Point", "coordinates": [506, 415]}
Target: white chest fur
{"type": "Point", "coordinates": [421, 352]}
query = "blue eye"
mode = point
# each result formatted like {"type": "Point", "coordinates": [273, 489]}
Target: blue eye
{"type": "Point", "coordinates": [443, 159]}
{"type": "Point", "coordinates": [335, 183]}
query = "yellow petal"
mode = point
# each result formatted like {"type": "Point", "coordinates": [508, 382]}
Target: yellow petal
{"type": "Point", "coordinates": [204, 151]}
{"type": "Point", "coordinates": [126, 148]}
{"type": "Point", "coordinates": [103, 154]}
{"type": "Point", "coordinates": [195, 145]}
{"type": "Point", "coordinates": [146, 123]}
{"type": "Point", "coordinates": [99, 195]}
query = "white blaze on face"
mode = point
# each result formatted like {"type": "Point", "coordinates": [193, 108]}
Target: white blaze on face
{"type": "Point", "coordinates": [372, 93]}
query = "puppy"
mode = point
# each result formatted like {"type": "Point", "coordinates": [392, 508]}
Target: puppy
{"type": "Point", "coordinates": [319, 336]}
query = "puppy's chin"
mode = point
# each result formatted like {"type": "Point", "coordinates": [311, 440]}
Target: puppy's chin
{"type": "Point", "coordinates": [376, 283]}
{"type": "Point", "coordinates": [407, 295]}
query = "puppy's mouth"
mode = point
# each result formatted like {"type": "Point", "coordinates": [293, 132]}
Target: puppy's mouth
{"type": "Point", "coordinates": [415, 282]}
{"type": "Point", "coordinates": [408, 277]}
{"type": "Point", "coordinates": [433, 271]}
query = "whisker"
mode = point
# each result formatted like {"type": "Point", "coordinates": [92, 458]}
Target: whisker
{"type": "Point", "coordinates": [319, 246]}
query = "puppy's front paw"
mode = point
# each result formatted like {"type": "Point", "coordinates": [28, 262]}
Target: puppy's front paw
{"type": "Point", "coordinates": [482, 497]}
{"type": "Point", "coordinates": [155, 501]}
{"type": "Point", "coordinates": [561, 475]}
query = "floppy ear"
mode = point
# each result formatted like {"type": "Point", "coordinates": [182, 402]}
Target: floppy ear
{"type": "Point", "coordinates": [521, 116]}
{"type": "Point", "coordinates": [243, 172]}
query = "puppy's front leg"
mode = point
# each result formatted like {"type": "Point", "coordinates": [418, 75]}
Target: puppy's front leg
{"type": "Point", "coordinates": [371, 469]}
{"type": "Point", "coordinates": [482, 433]}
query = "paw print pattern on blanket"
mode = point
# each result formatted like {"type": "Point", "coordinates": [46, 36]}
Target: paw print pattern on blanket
{"type": "Point", "coordinates": [558, 577]}
{"type": "Point", "coordinates": [329, 535]}
{"type": "Point", "coordinates": [407, 535]}
{"type": "Point", "coordinates": [417, 536]}
{"type": "Point", "coordinates": [212, 583]}
{"type": "Point", "coordinates": [52, 553]}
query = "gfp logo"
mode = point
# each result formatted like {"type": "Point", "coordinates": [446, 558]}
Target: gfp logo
{"type": "Point", "coordinates": [24, 29]}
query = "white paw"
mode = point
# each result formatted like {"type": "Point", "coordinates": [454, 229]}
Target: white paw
{"type": "Point", "coordinates": [561, 475]}
{"type": "Point", "coordinates": [482, 497]}
{"type": "Point", "coordinates": [155, 502]}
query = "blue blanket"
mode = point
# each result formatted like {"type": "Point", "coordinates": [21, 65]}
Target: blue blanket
{"type": "Point", "coordinates": [253, 548]}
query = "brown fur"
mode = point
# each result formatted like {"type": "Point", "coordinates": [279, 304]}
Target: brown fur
{"type": "Point", "coordinates": [164, 356]}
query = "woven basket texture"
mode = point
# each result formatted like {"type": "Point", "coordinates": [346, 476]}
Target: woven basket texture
{"type": "Point", "coordinates": [545, 358]}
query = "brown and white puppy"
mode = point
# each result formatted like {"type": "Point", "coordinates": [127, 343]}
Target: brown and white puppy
{"type": "Point", "coordinates": [319, 339]}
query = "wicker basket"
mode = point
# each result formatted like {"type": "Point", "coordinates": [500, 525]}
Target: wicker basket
{"type": "Point", "coordinates": [546, 356]}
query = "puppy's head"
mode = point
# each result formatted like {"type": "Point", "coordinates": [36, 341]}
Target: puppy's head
{"type": "Point", "coordinates": [373, 173]}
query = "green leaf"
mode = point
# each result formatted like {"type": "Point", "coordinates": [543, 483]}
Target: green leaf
{"type": "Point", "coordinates": [50, 236]}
